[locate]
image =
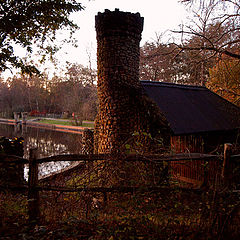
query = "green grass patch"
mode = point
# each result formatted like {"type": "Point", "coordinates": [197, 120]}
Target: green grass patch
{"type": "Point", "coordinates": [66, 123]}
{"type": "Point", "coordinates": [88, 124]}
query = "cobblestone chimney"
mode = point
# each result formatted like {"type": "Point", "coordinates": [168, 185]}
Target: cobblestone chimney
{"type": "Point", "coordinates": [121, 111]}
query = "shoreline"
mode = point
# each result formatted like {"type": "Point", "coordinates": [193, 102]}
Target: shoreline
{"type": "Point", "coordinates": [55, 127]}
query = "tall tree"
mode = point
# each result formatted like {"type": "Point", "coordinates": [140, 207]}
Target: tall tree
{"type": "Point", "coordinates": [82, 95]}
{"type": "Point", "coordinates": [164, 62]}
{"type": "Point", "coordinates": [158, 62]}
{"type": "Point", "coordinates": [75, 92]}
{"type": "Point", "coordinates": [26, 22]}
{"type": "Point", "coordinates": [216, 23]}
{"type": "Point", "coordinates": [78, 73]}
{"type": "Point", "coordinates": [5, 100]}
{"type": "Point", "coordinates": [225, 79]}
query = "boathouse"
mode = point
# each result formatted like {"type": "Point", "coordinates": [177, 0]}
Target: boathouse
{"type": "Point", "coordinates": [199, 119]}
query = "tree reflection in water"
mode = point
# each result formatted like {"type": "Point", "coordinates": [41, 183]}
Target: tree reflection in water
{"type": "Point", "coordinates": [48, 143]}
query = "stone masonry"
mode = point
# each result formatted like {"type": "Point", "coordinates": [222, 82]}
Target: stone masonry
{"type": "Point", "coordinates": [123, 107]}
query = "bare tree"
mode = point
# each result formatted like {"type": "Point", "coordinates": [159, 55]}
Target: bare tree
{"type": "Point", "coordinates": [79, 73]}
{"type": "Point", "coordinates": [216, 23]}
{"type": "Point", "coordinates": [165, 62]}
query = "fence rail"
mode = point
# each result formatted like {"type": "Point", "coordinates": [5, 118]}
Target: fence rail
{"type": "Point", "coordinates": [103, 157]}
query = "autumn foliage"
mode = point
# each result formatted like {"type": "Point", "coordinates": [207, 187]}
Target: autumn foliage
{"type": "Point", "coordinates": [225, 79]}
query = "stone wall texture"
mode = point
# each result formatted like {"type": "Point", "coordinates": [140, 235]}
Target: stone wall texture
{"type": "Point", "coordinates": [123, 107]}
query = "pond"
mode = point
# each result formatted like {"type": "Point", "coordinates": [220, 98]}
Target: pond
{"type": "Point", "coordinates": [48, 143]}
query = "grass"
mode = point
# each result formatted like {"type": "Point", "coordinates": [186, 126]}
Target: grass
{"type": "Point", "coordinates": [66, 122]}
{"type": "Point", "coordinates": [88, 124]}
{"type": "Point", "coordinates": [173, 215]}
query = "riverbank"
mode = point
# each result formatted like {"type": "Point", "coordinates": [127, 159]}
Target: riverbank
{"type": "Point", "coordinates": [68, 122]}
{"type": "Point", "coordinates": [49, 125]}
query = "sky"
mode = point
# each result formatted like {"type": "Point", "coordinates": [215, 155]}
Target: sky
{"type": "Point", "coordinates": [159, 17]}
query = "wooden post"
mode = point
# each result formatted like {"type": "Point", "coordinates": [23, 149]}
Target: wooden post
{"type": "Point", "coordinates": [16, 117]}
{"type": "Point", "coordinates": [226, 162]}
{"type": "Point", "coordinates": [33, 194]}
{"type": "Point", "coordinates": [24, 117]}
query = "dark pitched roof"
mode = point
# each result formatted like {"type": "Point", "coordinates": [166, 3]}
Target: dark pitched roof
{"type": "Point", "coordinates": [193, 109]}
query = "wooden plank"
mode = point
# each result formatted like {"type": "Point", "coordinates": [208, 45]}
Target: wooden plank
{"type": "Point", "coordinates": [75, 157]}
{"type": "Point", "coordinates": [4, 158]}
{"type": "Point", "coordinates": [131, 157]}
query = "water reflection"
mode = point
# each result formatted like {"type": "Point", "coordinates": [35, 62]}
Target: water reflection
{"type": "Point", "coordinates": [48, 143]}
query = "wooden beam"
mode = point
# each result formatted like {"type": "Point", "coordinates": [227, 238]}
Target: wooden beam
{"type": "Point", "coordinates": [129, 158]}
{"type": "Point", "coordinates": [4, 158]}
{"type": "Point", "coordinates": [33, 193]}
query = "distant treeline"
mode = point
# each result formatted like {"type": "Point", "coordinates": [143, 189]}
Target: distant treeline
{"type": "Point", "coordinates": [75, 91]}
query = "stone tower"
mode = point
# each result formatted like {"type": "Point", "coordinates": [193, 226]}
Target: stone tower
{"type": "Point", "coordinates": [122, 109]}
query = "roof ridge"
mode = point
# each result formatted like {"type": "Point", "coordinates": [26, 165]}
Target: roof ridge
{"type": "Point", "coordinates": [176, 85]}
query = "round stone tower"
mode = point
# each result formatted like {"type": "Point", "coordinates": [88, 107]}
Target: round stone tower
{"type": "Point", "coordinates": [121, 111]}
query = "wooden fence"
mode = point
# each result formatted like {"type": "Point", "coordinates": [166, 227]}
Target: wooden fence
{"type": "Point", "coordinates": [33, 186]}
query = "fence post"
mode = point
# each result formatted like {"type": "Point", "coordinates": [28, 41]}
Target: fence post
{"type": "Point", "coordinates": [226, 162]}
{"type": "Point", "coordinates": [16, 117]}
{"type": "Point", "coordinates": [33, 194]}
{"type": "Point", "coordinates": [24, 117]}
